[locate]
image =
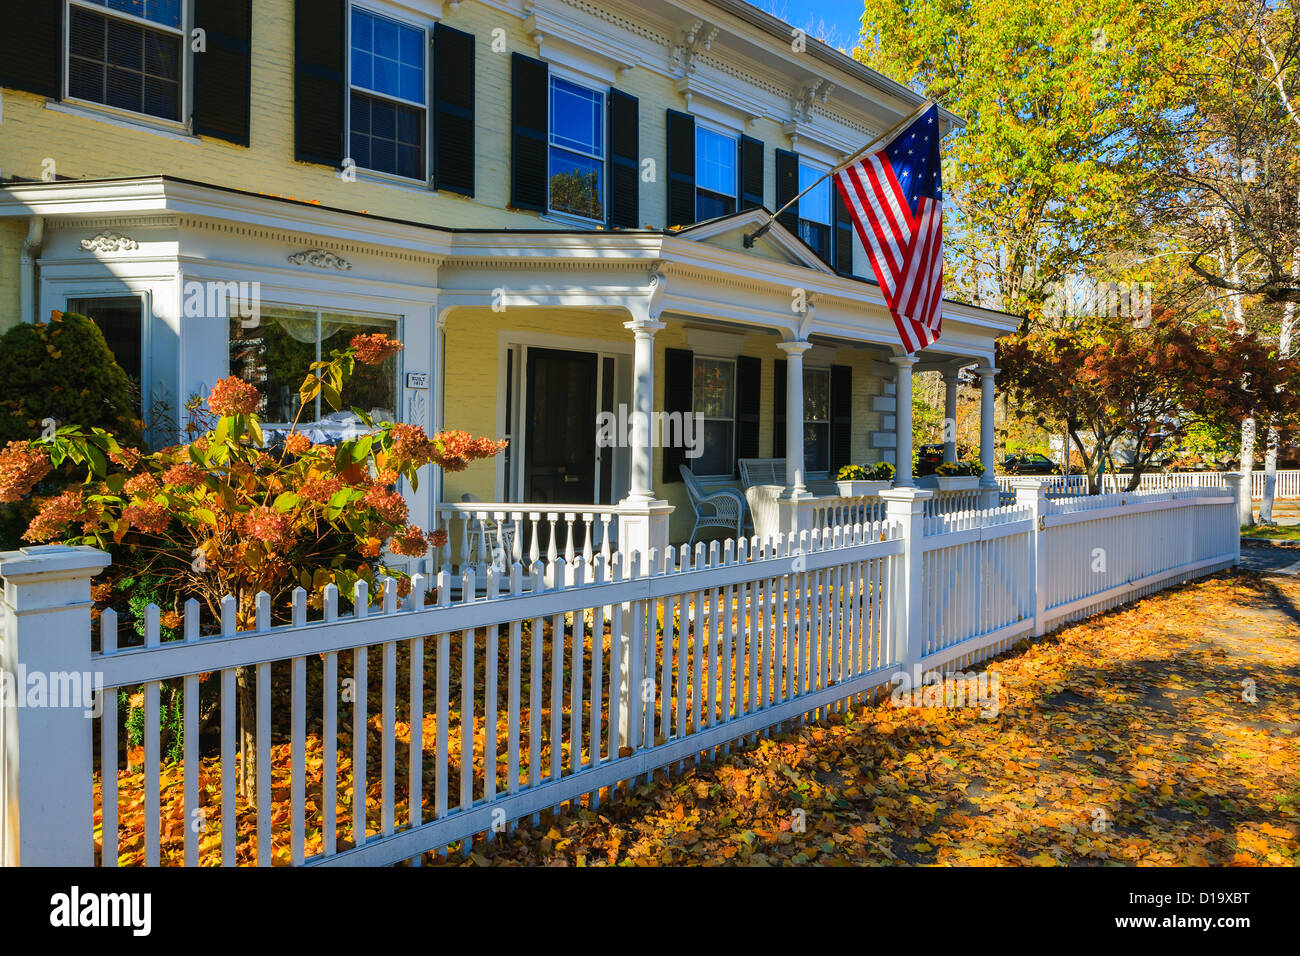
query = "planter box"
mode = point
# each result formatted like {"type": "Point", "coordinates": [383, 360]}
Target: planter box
{"type": "Point", "coordinates": [858, 489]}
{"type": "Point", "coordinates": [956, 483]}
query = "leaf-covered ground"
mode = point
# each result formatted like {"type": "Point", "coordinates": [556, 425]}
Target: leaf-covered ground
{"type": "Point", "coordinates": [1131, 738]}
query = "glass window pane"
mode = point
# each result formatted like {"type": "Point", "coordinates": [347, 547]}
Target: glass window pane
{"type": "Point", "coordinates": [275, 352]}
{"type": "Point", "coordinates": [816, 395]}
{"type": "Point", "coordinates": [713, 387]}
{"type": "Point", "coordinates": [816, 446]}
{"type": "Point", "coordinates": [387, 56]}
{"type": "Point", "coordinates": [816, 203]}
{"type": "Point", "coordinates": [124, 64]}
{"type": "Point", "coordinates": [166, 12]}
{"type": "Point", "coordinates": [576, 120]}
{"type": "Point", "coordinates": [576, 184]}
{"type": "Point", "coordinates": [715, 161]}
{"type": "Point", "coordinates": [716, 458]}
{"type": "Point", "coordinates": [387, 137]}
{"type": "Point", "coordinates": [372, 388]}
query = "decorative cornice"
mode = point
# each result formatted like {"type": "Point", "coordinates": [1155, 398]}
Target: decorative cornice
{"type": "Point", "coordinates": [107, 241]}
{"type": "Point", "coordinates": [321, 259]}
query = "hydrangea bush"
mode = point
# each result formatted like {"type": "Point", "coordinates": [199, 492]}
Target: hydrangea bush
{"type": "Point", "coordinates": [224, 514]}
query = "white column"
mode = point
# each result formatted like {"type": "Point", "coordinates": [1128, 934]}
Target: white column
{"type": "Point", "coordinates": [903, 420]}
{"type": "Point", "coordinates": [643, 394]}
{"type": "Point", "coordinates": [47, 751]}
{"type": "Point", "coordinates": [988, 438]}
{"type": "Point", "coordinates": [950, 414]}
{"type": "Point", "coordinates": [794, 468]}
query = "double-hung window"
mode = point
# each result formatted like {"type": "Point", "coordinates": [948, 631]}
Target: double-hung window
{"type": "Point", "coordinates": [715, 401]}
{"type": "Point", "coordinates": [127, 54]}
{"type": "Point", "coordinates": [715, 173]}
{"type": "Point", "coordinates": [388, 95]}
{"type": "Point", "coordinates": [815, 211]}
{"type": "Point", "coordinates": [816, 419]}
{"type": "Point", "coordinates": [576, 177]}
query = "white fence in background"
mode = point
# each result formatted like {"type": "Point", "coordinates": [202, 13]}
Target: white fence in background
{"type": "Point", "coordinates": [515, 697]}
{"type": "Point", "coordinates": [1288, 482]}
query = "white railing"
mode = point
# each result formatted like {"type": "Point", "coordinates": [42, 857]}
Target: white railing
{"type": "Point", "coordinates": [1288, 482]}
{"type": "Point", "coordinates": [547, 685]}
{"type": "Point", "coordinates": [480, 533]}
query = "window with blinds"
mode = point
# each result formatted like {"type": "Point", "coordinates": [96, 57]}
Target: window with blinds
{"type": "Point", "coordinates": [127, 54]}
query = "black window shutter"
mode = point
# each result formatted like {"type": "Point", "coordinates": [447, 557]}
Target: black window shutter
{"type": "Point", "coordinates": [681, 169]}
{"type": "Point", "coordinates": [31, 46]}
{"type": "Point", "coordinates": [787, 187]}
{"type": "Point", "coordinates": [679, 396]}
{"type": "Point", "coordinates": [841, 417]}
{"type": "Point", "coordinates": [530, 96]}
{"type": "Point", "coordinates": [778, 409]}
{"type": "Point", "coordinates": [751, 172]}
{"type": "Point", "coordinates": [222, 75]}
{"type": "Point", "coordinates": [843, 235]}
{"type": "Point", "coordinates": [319, 81]}
{"type": "Point", "coordinates": [749, 383]}
{"type": "Point", "coordinates": [624, 162]}
{"type": "Point", "coordinates": [453, 110]}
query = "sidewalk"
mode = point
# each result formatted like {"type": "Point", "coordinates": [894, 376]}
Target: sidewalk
{"type": "Point", "coordinates": [1121, 740]}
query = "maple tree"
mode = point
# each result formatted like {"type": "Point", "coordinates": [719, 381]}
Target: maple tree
{"type": "Point", "coordinates": [1112, 380]}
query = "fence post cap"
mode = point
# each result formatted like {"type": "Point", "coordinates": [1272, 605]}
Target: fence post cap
{"type": "Point", "coordinates": [1233, 478]}
{"type": "Point", "coordinates": [53, 559]}
{"type": "Point", "coordinates": [907, 493]}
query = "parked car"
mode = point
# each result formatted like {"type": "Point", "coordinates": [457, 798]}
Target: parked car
{"type": "Point", "coordinates": [1030, 463]}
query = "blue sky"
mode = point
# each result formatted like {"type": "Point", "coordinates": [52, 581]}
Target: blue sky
{"type": "Point", "coordinates": [835, 21]}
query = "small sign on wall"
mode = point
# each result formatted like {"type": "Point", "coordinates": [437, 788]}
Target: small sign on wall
{"type": "Point", "coordinates": [417, 379]}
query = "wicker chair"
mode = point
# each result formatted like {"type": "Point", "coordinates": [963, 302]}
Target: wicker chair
{"type": "Point", "coordinates": [724, 508]}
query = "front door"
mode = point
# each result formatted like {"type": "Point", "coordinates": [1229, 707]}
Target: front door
{"type": "Point", "coordinates": [560, 452]}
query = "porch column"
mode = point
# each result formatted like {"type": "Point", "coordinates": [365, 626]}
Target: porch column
{"type": "Point", "coordinates": [988, 438]}
{"type": "Point", "coordinates": [903, 420]}
{"type": "Point", "coordinates": [643, 395]}
{"type": "Point", "coordinates": [794, 469]}
{"type": "Point", "coordinates": [950, 414]}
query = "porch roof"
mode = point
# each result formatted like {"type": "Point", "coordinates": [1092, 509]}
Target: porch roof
{"type": "Point", "coordinates": [700, 271]}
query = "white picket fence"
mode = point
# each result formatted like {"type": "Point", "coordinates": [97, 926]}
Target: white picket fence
{"type": "Point", "coordinates": [501, 702]}
{"type": "Point", "coordinates": [1288, 482]}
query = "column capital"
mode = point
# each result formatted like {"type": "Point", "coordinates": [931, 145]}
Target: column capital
{"type": "Point", "coordinates": [986, 371]}
{"type": "Point", "coordinates": [795, 348]}
{"type": "Point", "coordinates": [645, 327]}
{"type": "Point", "coordinates": [902, 360]}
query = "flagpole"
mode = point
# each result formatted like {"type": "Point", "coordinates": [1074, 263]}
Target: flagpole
{"type": "Point", "coordinates": [757, 233]}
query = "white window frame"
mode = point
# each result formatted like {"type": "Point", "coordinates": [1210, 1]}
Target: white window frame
{"type": "Point", "coordinates": [735, 180]}
{"type": "Point", "coordinates": [185, 123]}
{"type": "Point", "coordinates": [560, 214]}
{"type": "Point", "coordinates": [729, 360]}
{"type": "Point", "coordinates": [380, 175]}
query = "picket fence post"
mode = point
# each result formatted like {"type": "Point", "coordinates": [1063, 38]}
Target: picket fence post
{"type": "Point", "coordinates": [907, 507]}
{"type": "Point", "coordinates": [47, 709]}
{"type": "Point", "coordinates": [1234, 481]}
{"type": "Point", "coordinates": [1033, 492]}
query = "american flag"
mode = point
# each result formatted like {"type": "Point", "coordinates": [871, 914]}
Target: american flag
{"type": "Point", "coordinates": [895, 198]}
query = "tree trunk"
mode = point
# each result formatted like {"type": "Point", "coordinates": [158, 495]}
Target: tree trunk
{"type": "Point", "coordinates": [1246, 511]}
{"type": "Point", "coordinates": [1285, 331]}
{"type": "Point", "coordinates": [1270, 478]}
{"type": "Point", "coordinates": [245, 684]}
